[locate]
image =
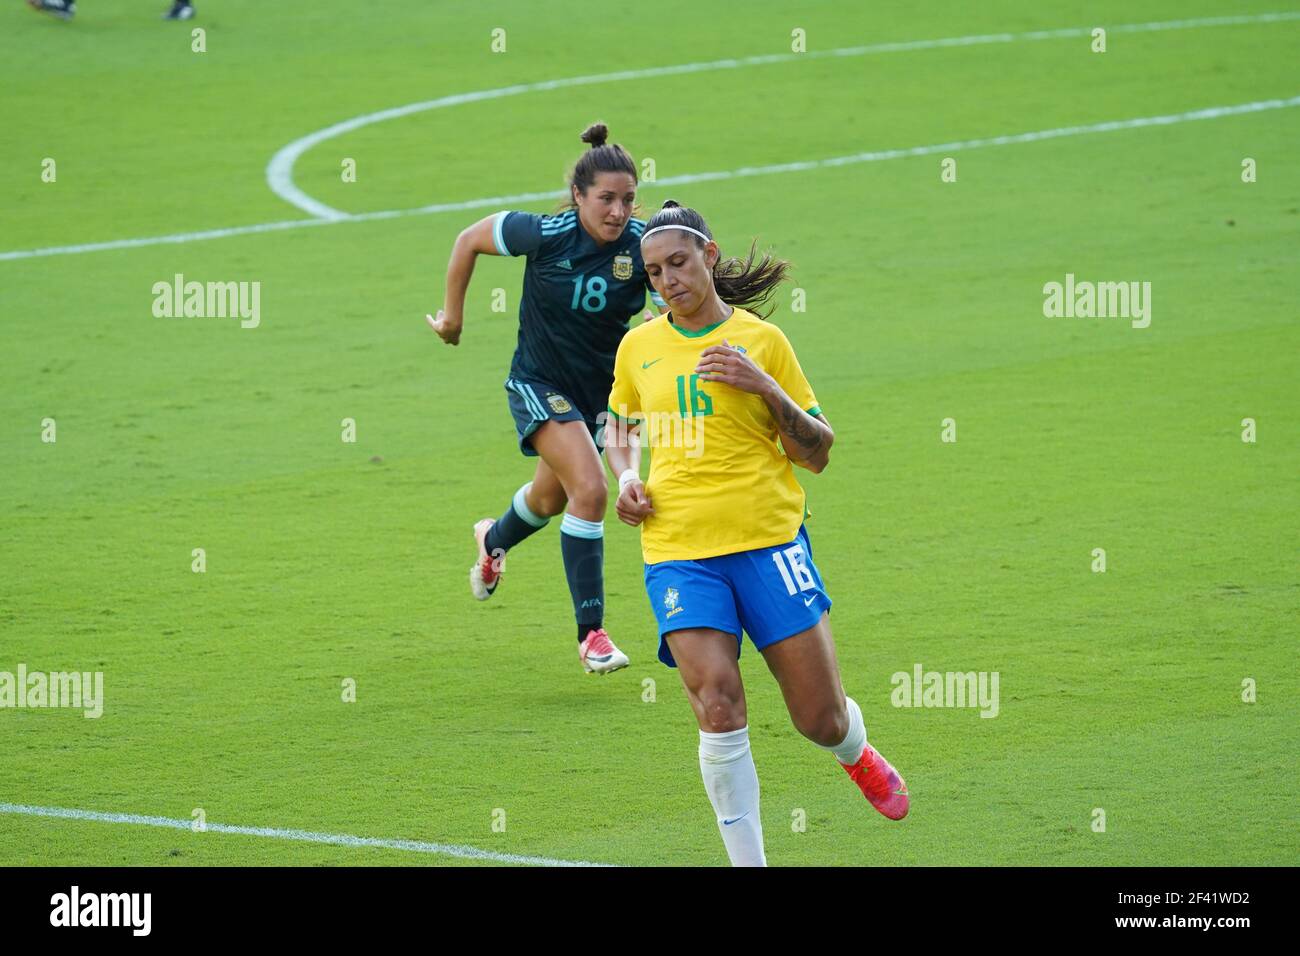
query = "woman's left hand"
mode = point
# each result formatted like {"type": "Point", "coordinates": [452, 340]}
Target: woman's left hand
{"type": "Point", "coordinates": [724, 363]}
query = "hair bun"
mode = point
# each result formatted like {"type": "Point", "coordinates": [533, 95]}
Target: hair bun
{"type": "Point", "coordinates": [672, 204]}
{"type": "Point", "coordinates": [595, 134]}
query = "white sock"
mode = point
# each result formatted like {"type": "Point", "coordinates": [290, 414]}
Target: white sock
{"type": "Point", "coordinates": [732, 784]}
{"type": "Point", "coordinates": [850, 749]}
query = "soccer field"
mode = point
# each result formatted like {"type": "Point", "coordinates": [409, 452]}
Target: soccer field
{"type": "Point", "coordinates": [1147, 712]}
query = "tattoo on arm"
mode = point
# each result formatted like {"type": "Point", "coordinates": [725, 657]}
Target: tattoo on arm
{"type": "Point", "coordinates": [794, 424]}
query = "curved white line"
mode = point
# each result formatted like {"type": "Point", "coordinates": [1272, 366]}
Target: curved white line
{"type": "Point", "coordinates": [279, 171]}
{"type": "Point", "coordinates": [499, 202]}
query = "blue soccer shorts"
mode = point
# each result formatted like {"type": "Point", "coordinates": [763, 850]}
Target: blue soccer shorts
{"type": "Point", "coordinates": [534, 403]}
{"type": "Point", "coordinates": [769, 593]}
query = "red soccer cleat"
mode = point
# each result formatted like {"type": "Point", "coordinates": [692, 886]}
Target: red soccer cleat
{"type": "Point", "coordinates": [485, 575]}
{"type": "Point", "coordinates": [880, 783]}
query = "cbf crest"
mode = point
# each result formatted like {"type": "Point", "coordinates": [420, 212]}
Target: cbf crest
{"type": "Point", "coordinates": [670, 602]}
{"type": "Point", "coordinates": [622, 267]}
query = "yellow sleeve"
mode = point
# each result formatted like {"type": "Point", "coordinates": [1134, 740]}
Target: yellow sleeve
{"type": "Point", "coordinates": [785, 368]}
{"type": "Point", "coordinates": [624, 400]}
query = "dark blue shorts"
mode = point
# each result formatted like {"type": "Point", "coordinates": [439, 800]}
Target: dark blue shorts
{"type": "Point", "coordinates": [769, 593]}
{"type": "Point", "coordinates": [533, 403]}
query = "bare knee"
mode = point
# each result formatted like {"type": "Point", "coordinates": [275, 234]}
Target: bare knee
{"type": "Point", "coordinates": [720, 707]}
{"type": "Point", "coordinates": [826, 725]}
{"type": "Point", "coordinates": [589, 494]}
{"type": "Point", "coordinates": [547, 504]}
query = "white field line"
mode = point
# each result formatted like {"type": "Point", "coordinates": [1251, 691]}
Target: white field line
{"type": "Point", "coordinates": [303, 836]}
{"type": "Point", "coordinates": [280, 168]}
{"type": "Point", "coordinates": [500, 202]}
{"type": "Point", "coordinates": [279, 172]}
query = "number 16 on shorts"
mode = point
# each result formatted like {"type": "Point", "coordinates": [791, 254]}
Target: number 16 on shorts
{"type": "Point", "coordinates": [799, 578]}
{"type": "Point", "coordinates": [794, 569]}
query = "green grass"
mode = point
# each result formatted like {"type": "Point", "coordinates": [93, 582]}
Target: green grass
{"type": "Point", "coordinates": [1118, 690]}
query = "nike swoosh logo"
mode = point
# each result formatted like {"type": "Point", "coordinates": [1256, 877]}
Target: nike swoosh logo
{"type": "Point", "coordinates": [808, 603]}
{"type": "Point", "coordinates": [648, 364]}
{"type": "Point", "coordinates": [727, 823]}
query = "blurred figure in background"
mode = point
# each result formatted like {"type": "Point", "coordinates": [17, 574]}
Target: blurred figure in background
{"type": "Point", "coordinates": [67, 9]}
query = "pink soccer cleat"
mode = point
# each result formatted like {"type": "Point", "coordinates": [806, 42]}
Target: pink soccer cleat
{"type": "Point", "coordinates": [880, 783]}
{"type": "Point", "coordinates": [598, 653]}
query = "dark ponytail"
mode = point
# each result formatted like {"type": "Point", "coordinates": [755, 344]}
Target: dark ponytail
{"type": "Point", "coordinates": [601, 158]}
{"type": "Point", "coordinates": [745, 283]}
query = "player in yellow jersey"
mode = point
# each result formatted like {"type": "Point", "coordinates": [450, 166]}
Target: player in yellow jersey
{"type": "Point", "coordinates": [719, 396]}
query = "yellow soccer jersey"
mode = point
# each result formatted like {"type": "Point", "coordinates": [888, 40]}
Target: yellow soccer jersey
{"type": "Point", "coordinates": [719, 481]}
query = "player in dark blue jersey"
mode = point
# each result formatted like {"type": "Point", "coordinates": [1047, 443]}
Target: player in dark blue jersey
{"type": "Point", "coordinates": [583, 282]}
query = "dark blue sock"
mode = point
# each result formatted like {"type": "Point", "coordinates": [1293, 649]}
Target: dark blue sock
{"type": "Point", "coordinates": [582, 543]}
{"type": "Point", "coordinates": [517, 523]}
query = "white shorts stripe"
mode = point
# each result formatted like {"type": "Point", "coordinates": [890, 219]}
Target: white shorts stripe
{"type": "Point", "coordinates": [530, 401]}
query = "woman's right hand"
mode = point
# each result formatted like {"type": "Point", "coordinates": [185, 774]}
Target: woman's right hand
{"type": "Point", "coordinates": [448, 329]}
{"type": "Point", "coordinates": [633, 505]}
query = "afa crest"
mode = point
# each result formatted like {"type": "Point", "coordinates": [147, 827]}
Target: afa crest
{"type": "Point", "coordinates": [559, 404]}
{"type": "Point", "coordinates": [622, 267]}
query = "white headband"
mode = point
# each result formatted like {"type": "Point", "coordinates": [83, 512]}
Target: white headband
{"type": "Point", "coordinates": [675, 226]}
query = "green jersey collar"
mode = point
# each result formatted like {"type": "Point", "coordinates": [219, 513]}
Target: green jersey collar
{"type": "Point", "coordinates": [698, 332]}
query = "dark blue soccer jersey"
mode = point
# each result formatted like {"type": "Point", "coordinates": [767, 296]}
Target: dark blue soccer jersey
{"type": "Point", "coordinates": [577, 300]}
